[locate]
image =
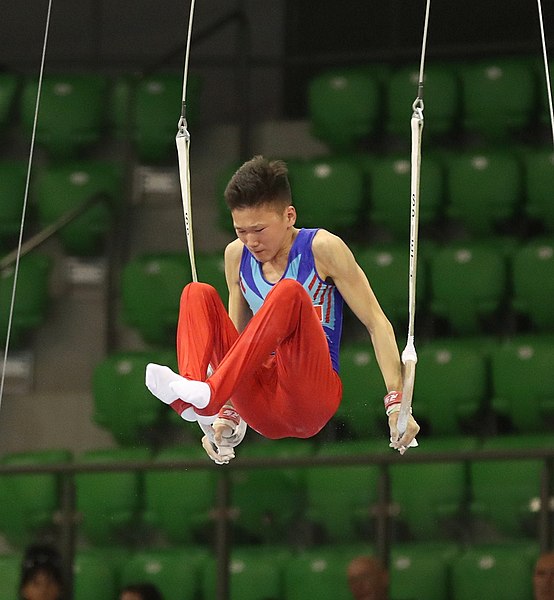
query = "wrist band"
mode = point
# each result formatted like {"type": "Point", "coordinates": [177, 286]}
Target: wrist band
{"type": "Point", "coordinates": [229, 413]}
{"type": "Point", "coordinates": [391, 399]}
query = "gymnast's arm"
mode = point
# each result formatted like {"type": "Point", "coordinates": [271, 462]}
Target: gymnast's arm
{"type": "Point", "coordinates": [335, 260]}
{"type": "Point", "coordinates": [238, 308]}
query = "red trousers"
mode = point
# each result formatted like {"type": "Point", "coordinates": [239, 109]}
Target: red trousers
{"type": "Point", "coordinates": [277, 372]}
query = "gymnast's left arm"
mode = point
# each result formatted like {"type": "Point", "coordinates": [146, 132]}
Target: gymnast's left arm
{"type": "Point", "coordinates": [335, 260]}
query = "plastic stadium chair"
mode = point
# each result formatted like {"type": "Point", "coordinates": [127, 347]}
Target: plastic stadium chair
{"type": "Point", "coordinates": [179, 503]}
{"type": "Point", "coordinates": [10, 573]}
{"type": "Point", "coordinates": [390, 193]}
{"type": "Point", "coordinates": [387, 268]}
{"type": "Point", "coordinates": [13, 176]}
{"type": "Point", "coordinates": [108, 502]}
{"type": "Point", "coordinates": [441, 94]}
{"type": "Point", "coordinates": [483, 190]}
{"type": "Point", "coordinates": [467, 285]}
{"type": "Point", "coordinates": [122, 403]}
{"type": "Point", "coordinates": [363, 389]}
{"type": "Point", "coordinates": [255, 573]}
{"type": "Point", "coordinates": [490, 106]}
{"type": "Point", "coordinates": [72, 113]}
{"type": "Point", "coordinates": [533, 283]}
{"type": "Point", "coordinates": [539, 181]}
{"type": "Point", "coordinates": [9, 84]}
{"type": "Point", "coordinates": [522, 369]}
{"type": "Point", "coordinates": [211, 269]}
{"type": "Point", "coordinates": [151, 286]}
{"type": "Point", "coordinates": [31, 299]}
{"type": "Point", "coordinates": [494, 571]}
{"type": "Point", "coordinates": [344, 106]}
{"type": "Point", "coordinates": [506, 493]}
{"type": "Point", "coordinates": [30, 500]}
{"type": "Point", "coordinates": [340, 498]}
{"type": "Point", "coordinates": [328, 193]}
{"type": "Point", "coordinates": [175, 572]}
{"type": "Point", "coordinates": [435, 511]}
{"type": "Point", "coordinates": [453, 370]}
{"type": "Point", "coordinates": [267, 501]}
{"type": "Point", "coordinates": [421, 570]}
{"type": "Point", "coordinates": [61, 188]}
{"type": "Point", "coordinates": [156, 106]}
{"type": "Point", "coordinates": [94, 575]}
{"type": "Point", "coordinates": [321, 573]}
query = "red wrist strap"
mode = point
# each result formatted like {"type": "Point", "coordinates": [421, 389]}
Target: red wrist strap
{"type": "Point", "coordinates": [229, 413]}
{"type": "Point", "coordinates": [392, 398]}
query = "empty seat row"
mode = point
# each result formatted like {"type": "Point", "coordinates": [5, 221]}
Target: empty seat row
{"type": "Point", "coordinates": [440, 571]}
{"type": "Point", "coordinates": [349, 105]}
{"type": "Point", "coordinates": [78, 110]}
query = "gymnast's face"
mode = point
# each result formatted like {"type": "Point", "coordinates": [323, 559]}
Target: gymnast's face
{"type": "Point", "coordinates": [266, 230]}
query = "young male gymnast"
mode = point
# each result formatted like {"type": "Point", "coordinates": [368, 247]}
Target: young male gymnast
{"type": "Point", "coordinates": [271, 362]}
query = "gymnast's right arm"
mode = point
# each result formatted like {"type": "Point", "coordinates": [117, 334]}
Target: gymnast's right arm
{"type": "Point", "coordinates": [238, 308]}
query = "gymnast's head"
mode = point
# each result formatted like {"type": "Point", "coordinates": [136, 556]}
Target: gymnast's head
{"type": "Point", "coordinates": [259, 182]}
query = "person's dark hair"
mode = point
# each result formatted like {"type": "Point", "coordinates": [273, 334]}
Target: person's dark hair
{"type": "Point", "coordinates": [147, 591]}
{"type": "Point", "coordinates": [41, 558]}
{"type": "Point", "coordinates": [258, 181]}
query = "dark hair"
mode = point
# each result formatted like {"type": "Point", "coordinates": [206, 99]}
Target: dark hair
{"type": "Point", "coordinates": [258, 181]}
{"type": "Point", "coordinates": [41, 558]}
{"type": "Point", "coordinates": [147, 591]}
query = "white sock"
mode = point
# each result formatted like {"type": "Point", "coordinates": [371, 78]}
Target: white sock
{"type": "Point", "coordinates": [158, 378]}
{"type": "Point", "coordinates": [197, 393]}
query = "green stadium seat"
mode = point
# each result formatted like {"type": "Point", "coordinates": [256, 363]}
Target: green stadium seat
{"type": "Point", "coordinates": [151, 286]}
{"type": "Point", "coordinates": [522, 369]}
{"type": "Point", "coordinates": [179, 503]}
{"type": "Point", "coordinates": [538, 182]}
{"type": "Point", "coordinates": [441, 95]}
{"type": "Point", "coordinates": [176, 571]}
{"type": "Point", "coordinates": [434, 511]}
{"type": "Point", "coordinates": [321, 573]}
{"type": "Point", "coordinates": [451, 385]}
{"type": "Point", "coordinates": [267, 501]}
{"type": "Point", "coordinates": [72, 115]}
{"type": "Point", "coordinates": [506, 493]}
{"type": "Point", "coordinates": [421, 570]}
{"type": "Point", "coordinates": [387, 269]}
{"type": "Point", "coordinates": [255, 573]}
{"type": "Point", "coordinates": [533, 283]}
{"type": "Point", "coordinates": [344, 106]}
{"type": "Point", "coordinates": [211, 269]}
{"type": "Point", "coordinates": [494, 571]}
{"type": "Point", "coordinates": [327, 193]}
{"type": "Point", "coordinates": [9, 87]}
{"type": "Point", "coordinates": [156, 105]}
{"type": "Point", "coordinates": [109, 502]}
{"type": "Point", "coordinates": [223, 177]}
{"type": "Point", "coordinates": [489, 104]}
{"type": "Point", "coordinates": [363, 389]}
{"type": "Point", "coordinates": [390, 193]}
{"type": "Point", "coordinates": [10, 573]}
{"type": "Point", "coordinates": [94, 575]}
{"type": "Point", "coordinates": [484, 190]}
{"type": "Point", "coordinates": [13, 177]}
{"type": "Point", "coordinates": [63, 187]}
{"type": "Point", "coordinates": [339, 499]}
{"type": "Point", "coordinates": [31, 299]}
{"type": "Point", "coordinates": [30, 500]}
{"type": "Point", "coordinates": [122, 403]}
{"type": "Point", "coordinates": [468, 283]}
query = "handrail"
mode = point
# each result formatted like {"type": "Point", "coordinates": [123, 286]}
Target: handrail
{"type": "Point", "coordinates": [222, 542]}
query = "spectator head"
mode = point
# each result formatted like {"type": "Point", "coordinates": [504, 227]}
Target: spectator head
{"type": "Point", "coordinates": [367, 578]}
{"type": "Point", "coordinates": [543, 577]}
